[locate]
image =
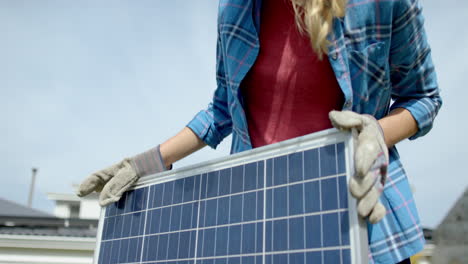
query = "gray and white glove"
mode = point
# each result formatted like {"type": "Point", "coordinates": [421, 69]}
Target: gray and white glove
{"type": "Point", "coordinates": [113, 181]}
{"type": "Point", "coordinates": [370, 161]}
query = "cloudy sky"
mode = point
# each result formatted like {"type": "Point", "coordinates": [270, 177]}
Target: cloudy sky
{"type": "Point", "coordinates": [85, 83]}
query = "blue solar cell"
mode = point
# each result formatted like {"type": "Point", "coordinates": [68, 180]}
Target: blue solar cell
{"type": "Point", "coordinates": [118, 225]}
{"type": "Point", "coordinates": [260, 204]}
{"type": "Point", "coordinates": [178, 191]}
{"type": "Point", "coordinates": [203, 186]}
{"type": "Point", "coordinates": [248, 260]}
{"type": "Point", "coordinates": [221, 261]}
{"type": "Point", "coordinates": [344, 227]}
{"type": "Point", "coordinates": [313, 231]}
{"type": "Point", "coordinates": [268, 236]}
{"type": "Point", "coordinates": [327, 160]}
{"type": "Point", "coordinates": [269, 203]}
{"type": "Point", "coordinates": [259, 238]}
{"type": "Point", "coordinates": [312, 196]}
{"type": "Point", "coordinates": [331, 235]}
{"type": "Point", "coordinates": [195, 214]}
{"type": "Point", "coordinates": [314, 257]}
{"type": "Point", "coordinates": [156, 196]}
{"type": "Point", "coordinates": [329, 194]}
{"type": "Point", "coordinates": [225, 182]}
{"type": "Point", "coordinates": [175, 218]}
{"type": "Point", "coordinates": [193, 237]}
{"type": "Point", "coordinates": [248, 238]}
{"type": "Point", "coordinates": [296, 233]}
{"type": "Point", "coordinates": [108, 228]}
{"type": "Point", "coordinates": [212, 181]}
{"type": "Point", "coordinates": [311, 164]}
{"type": "Point", "coordinates": [237, 179]}
{"type": "Point", "coordinates": [341, 158]}
{"type": "Point", "coordinates": [134, 249]}
{"type": "Point", "coordinates": [114, 257]}
{"type": "Point", "coordinates": [127, 220]}
{"type": "Point", "coordinates": [280, 235]}
{"type": "Point", "coordinates": [222, 241]}
{"type": "Point", "coordinates": [251, 177]}
{"type": "Point", "coordinates": [162, 246]}
{"type": "Point", "coordinates": [331, 256]}
{"type": "Point", "coordinates": [235, 206]}
{"type": "Point", "coordinates": [189, 185]}
{"type": "Point", "coordinates": [151, 243]}
{"type": "Point", "coordinates": [234, 260]}
{"type": "Point", "coordinates": [165, 221]}
{"type": "Point", "coordinates": [234, 239]}
{"type": "Point", "coordinates": [202, 214]}
{"type": "Point", "coordinates": [184, 244]}
{"type": "Point", "coordinates": [268, 207]}
{"type": "Point", "coordinates": [129, 198]}
{"type": "Point", "coordinates": [152, 225]}
{"type": "Point", "coordinates": [342, 193]}
{"type": "Point", "coordinates": [280, 202]}
{"type": "Point", "coordinates": [168, 191]}
{"type": "Point", "coordinates": [209, 242]}
{"type": "Point", "coordinates": [173, 246]}
{"type": "Point", "coordinates": [346, 254]}
{"type": "Point", "coordinates": [269, 172]}
{"type": "Point", "coordinates": [296, 199]}
{"type": "Point", "coordinates": [223, 210]}
{"type": "Point", "coordinates": [211, 207]}
{"type": "Point", "coordinates": [249, 208]}
{"type": "Point", "coordinates": [280, 170]}
{"type": "Point", "coordinates": [200, 239]}
{"type": "Point", "coordinates": [295, 167]}
{"type": "Point", "coordinates": [186, 222]}
{"type": "Point", "coordinates": [297, 258]}
{"type": "Point", "coordinates": [280, 258]}
{"type": "Point", "coordinates": [260, 174]}
{"type": "Point", "coordinates": [120, 208]}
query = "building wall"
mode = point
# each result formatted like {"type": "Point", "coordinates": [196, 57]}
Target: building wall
{"type": "Point", "coordinates": [454, 254]}
{"type": "Point", "coordinates": [89, 209]}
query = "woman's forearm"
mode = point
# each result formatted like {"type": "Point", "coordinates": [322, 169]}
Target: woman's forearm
{"type": "Point", "coordinates": [397, 126]}
{"type": "Point", "coordinates": [179, 146]}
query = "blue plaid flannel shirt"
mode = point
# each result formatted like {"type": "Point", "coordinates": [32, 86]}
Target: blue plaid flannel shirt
{"type": "Point", "coordinates": [379, 53]}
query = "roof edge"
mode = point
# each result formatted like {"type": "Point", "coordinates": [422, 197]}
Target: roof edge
{"type": "Point", "coordinates": [47, 242]}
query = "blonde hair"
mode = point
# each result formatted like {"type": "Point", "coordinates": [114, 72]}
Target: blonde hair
{"type": "Point", "coordinates": [315, 18]}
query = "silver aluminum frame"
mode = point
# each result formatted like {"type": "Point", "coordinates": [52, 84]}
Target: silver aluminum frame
{"type": "Point", "coordinates": [358, 229]}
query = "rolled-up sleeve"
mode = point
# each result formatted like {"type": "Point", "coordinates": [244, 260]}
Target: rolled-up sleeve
{"type": "Point", "coordinates": [214, 123]}
{"type": "Point", "coordinates": [414, 81]}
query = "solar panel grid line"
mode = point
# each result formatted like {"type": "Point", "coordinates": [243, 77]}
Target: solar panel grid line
{"type": "Point", "coordinates": [320, 204]}
{"type": "Point", "coordinates": [339, 205]}
{"type": "Point", "coordinates": [264, 214]}
{"type": "Point", "coordinates": [253, 213]}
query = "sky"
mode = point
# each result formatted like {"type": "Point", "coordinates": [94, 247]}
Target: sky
{"type": "Point", "coordinates": [84, 84]}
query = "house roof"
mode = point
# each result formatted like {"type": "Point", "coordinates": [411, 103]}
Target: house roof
{"type": "Point", "coordinates": [16, 219]}
{"type": "Point", "coordinates": [49, 231]}
{"type": "Point", "coordinates": [453, 230]}
{"type": "Point", "coordinates": [9, 208]}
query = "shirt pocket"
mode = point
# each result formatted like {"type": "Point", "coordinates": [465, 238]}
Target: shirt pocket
{"type": "Point", "coordinates": [369, 75]}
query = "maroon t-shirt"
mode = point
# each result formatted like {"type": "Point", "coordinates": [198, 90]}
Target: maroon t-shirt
{"type": "Point", "coordinates": [288, 92]}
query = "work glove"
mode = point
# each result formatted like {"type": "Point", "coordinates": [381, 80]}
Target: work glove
{"type": "Point", "coordinates": [370, 161]}
{"type": "Point", "coordinates": [113, 181]}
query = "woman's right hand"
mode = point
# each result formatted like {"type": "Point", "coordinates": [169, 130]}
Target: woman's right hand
{"type": "Point", "coordinates": [113, 181]}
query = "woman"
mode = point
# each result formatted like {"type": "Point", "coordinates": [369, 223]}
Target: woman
{"type": "Point", "coordinates": [283, 66]}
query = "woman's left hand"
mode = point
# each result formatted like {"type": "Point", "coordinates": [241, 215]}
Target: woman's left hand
{"type": "Point", "coordinates": [370, 161]}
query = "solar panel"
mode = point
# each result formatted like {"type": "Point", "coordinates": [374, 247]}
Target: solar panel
{"type": "Point", "coordinates": [283, 203]}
